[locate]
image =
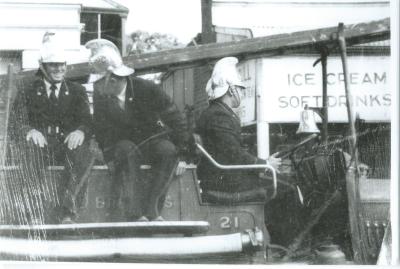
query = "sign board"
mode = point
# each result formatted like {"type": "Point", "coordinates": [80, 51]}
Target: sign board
{"type": "Point", "coordinates": [247, 109]}
{"type": "Point", "coordinates": [290, 83]}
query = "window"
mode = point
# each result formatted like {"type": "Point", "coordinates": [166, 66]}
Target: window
{"type": "Point", "coordinates": [110, 27]}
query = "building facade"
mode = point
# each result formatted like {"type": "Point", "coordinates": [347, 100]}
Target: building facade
{"type": "Point", "coordinates": [24, 22]}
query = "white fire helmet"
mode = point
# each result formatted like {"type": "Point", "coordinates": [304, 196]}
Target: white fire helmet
{"type": "Point", "coordinates": [105, 57]}
{"type": "Point", "coordinates": [51, 50]}
{"type": "Point", "coordinates": [224, 75]}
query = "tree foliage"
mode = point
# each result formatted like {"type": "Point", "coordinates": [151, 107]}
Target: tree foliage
{"type": "Point", "coordinates": [143, 42]}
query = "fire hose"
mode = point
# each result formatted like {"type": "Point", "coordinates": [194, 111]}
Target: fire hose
{"type": "Point", "coordinates": [139, 247]}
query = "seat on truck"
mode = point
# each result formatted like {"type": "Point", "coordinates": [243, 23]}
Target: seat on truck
{"type": "Point", "coordinates": [219, 197]}
{"type": "Point", "coordinates": [228, 198]}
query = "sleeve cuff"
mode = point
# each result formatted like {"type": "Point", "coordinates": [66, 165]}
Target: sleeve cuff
{"type": "Point", "coordinates": [86, 130]}
{"type": "Point", "coordinates": [260, 161]}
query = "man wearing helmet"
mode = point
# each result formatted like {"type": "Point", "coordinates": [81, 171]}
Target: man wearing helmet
{"type": "Point", "coordinates": [52, 114]}
{"type": "Point", "coordinates": [220, 130]}
{"type": "Point", "coordinates": [135, 123]}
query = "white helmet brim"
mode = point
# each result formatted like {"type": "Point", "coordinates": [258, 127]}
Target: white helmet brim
{"type": "Point", "coordinates": [225, 75]}
{"type": "Point", "coordinates": [122, 71]}
{"type": "Point", "coordinates": [105, 57]}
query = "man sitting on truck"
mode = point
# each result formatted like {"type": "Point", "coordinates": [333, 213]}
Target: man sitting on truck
{"type": "Point", "coordinates": [52, 115]}
{"type": "Point", "coordinates": [220, 130]}
{"type": "Point", "coordinates": [136, 124]}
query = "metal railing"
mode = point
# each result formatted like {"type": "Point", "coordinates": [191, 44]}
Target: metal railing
{"type": "Point", "coordinates": [242, 167]}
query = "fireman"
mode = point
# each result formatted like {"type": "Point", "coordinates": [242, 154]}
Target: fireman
{"type": "Point", "coordinates": [136, 124]}
{"type": "Point", "coordinates": [219, 128]}
{"type": "Point", "coordinates": [52, 114]}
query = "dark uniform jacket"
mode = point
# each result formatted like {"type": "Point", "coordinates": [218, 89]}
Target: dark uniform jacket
{"type": "Point", "coordinates": [149, 113]}
{"type": "Point", "coordinates": [220, 130]}
{"type": "Point", "coordinates": [32, 109]}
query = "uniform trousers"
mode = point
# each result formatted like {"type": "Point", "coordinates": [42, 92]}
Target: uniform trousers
{"type": "Point", "coordinates": [70, 190]}
{"type": "Point", "coordinates": [143, 190]}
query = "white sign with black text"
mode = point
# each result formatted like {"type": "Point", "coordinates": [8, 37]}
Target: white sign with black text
{"type": "Point", "coordinates": [290, 83]}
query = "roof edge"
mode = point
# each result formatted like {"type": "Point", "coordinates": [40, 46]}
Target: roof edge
{"type": "Point", "coordinates": [117, 5]}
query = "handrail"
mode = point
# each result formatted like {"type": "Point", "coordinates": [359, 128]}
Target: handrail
{"type": "Point", "coordinates": [242, 167]}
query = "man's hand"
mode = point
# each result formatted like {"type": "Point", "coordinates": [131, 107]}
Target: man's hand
{"type": "Point", "coordinates": [37, 138]}
{"type": "Point", "coordinates": [74, 139]}
{"type": "Point", "coordinates": [275, 162]}
{"type": "Point", "coordinates": [181, 168]}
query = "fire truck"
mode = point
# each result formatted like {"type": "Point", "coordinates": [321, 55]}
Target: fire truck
{"type": "Point", "coordinates": [223, 228]}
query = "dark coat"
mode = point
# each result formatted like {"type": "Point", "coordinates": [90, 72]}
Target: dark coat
{"type": "Point", "coordinates": [32, 109]}
{"type": "Point", "coordinates": [148, 113]}
{"type": "Point", "coordinates": [220, 130]}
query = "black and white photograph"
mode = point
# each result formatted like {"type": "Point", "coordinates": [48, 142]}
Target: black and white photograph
{"type": "Point", "coordinates": [213, 132]}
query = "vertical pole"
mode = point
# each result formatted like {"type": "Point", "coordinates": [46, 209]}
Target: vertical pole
{"type": "Point", "coordinates": [263, 149]}
{"type": "Point", "coordinates": [202, 73]}
{"type": "Point", "coordinates": [208, 35]}
{"type": "Point", "coordinates": [349, 97]}
{"type": "Point", "coordinates": [99, 25]}
{"type": "Point", "coordinates": [123, 37]}
{"type": "Point", "coordinates": [358, 233]}
{"type": "Point", "coordinates": [7, 100]}
{"type": "Point", "coordinates": [324, 56]}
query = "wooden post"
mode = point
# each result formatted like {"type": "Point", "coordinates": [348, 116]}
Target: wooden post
{"type": "Point", "coordinates": [208, 34]}
{"type": "Point", "coordinates": [349, 96]}
{"type": "Point", "coordinates": [202, 73]}
{"type": "Point", "coordinates": [6, 96]}
{"type": "Point", "coordinates": [358, 233]}
{"type": "Point", "coordinates": [324, 56]}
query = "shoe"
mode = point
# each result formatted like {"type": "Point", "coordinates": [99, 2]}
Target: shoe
{"type": "Point", "coordinates": [159, 218]}
{"type": "Point", "coordinates": [142, 219]}
{"type": "Point", "coordinates": [330, 254]}
{"type": "Point", "coordinates": [67, 220]}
